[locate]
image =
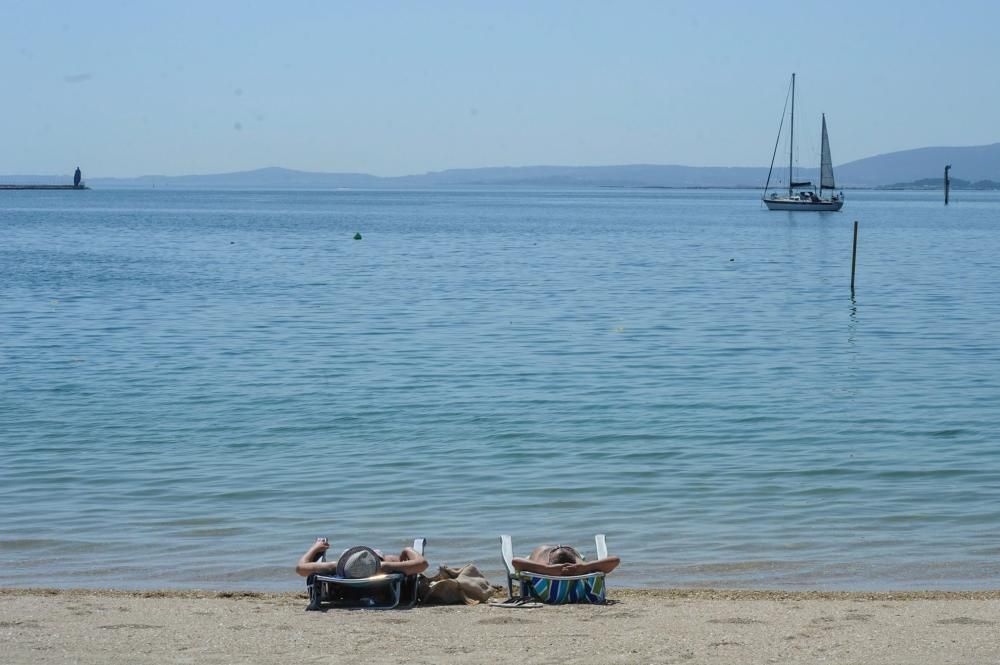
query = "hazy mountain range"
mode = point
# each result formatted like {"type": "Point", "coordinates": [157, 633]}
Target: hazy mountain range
{"type": "Point", "coordinates": [971, 163]}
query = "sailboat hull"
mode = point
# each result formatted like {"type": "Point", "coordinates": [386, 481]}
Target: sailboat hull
{"type": "Point", "coordinates": [804, 205]}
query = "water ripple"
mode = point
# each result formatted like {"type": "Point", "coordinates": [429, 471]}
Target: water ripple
{"type": "Point", "coordinates": [215, 378]}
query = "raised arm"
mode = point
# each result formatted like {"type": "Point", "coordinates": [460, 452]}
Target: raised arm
{"type": "Point", "coordinates": [410, 562]}
{"type": "Point", "coordinates": [605, 565]}
{"type": "Point", "coordinates": [308, 564]}
{"type": "Point", "coordinates": [527, 565]}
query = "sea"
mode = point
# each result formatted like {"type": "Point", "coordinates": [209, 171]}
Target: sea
{"type": "Point", "coordinates": [195, 385]}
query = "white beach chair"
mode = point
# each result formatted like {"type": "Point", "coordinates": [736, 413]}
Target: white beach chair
{"type": "Point", "coordinates": [379, 592]}
{"type": "Point", "coordinates": [552, 589]}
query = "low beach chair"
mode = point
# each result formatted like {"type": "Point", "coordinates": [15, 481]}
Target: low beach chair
{"type": "Point", "coordinates": [385, 591]}
{"type": "Point", "coordinates": [556, 590]}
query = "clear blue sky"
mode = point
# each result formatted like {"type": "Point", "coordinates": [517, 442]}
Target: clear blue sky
{"type": "Point", "coordinates": [132, 88]}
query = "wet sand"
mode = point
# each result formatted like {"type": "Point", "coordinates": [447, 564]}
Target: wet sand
{"type": "Point", "coordinates": [639, 626]}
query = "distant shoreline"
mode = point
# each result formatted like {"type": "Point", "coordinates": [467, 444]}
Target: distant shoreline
{"type": "Point", "coordinates": [443, 187]}
{"type": "Point", "coordinates": [919, 167]}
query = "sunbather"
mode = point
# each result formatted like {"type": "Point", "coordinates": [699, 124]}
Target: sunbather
{"type": "Point", "coordinates": [563, 560]}
{"type": "Point", "coordinates": [409, 561]}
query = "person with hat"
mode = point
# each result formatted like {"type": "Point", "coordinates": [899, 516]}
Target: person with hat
{"type": "Point", "coordinates": [359, 562]}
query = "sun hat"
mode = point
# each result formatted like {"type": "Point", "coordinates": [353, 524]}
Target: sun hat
{"type": "Point", "coordinates": [358, 562]}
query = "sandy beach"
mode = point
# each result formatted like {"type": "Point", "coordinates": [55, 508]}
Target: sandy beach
{"type": "Point", "coordinates": [639, 626]}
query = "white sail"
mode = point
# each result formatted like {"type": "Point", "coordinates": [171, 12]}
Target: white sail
{"type": "Point", "coordinates": [826, 162]}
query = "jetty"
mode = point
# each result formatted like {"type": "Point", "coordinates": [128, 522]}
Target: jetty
{"type": "Point", "coordinates": [77, 183]}
{"type": "Point", "coordinates": [2, 186]}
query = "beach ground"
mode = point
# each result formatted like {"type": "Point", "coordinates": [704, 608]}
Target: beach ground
{"type": "Point", "coordinates": [640, 626]}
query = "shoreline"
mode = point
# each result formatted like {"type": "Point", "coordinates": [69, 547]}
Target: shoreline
{"type": "Point", "coordinates": [614, 594]}
{"type": "Point", "coordinates": [664, 625]}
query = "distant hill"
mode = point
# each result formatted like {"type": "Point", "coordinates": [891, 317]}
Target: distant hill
{"type": "Point", "coordinates": [271, 177]}
{"type": "Point", "coordinates": [632, 175]}
{"type": "Point", "coordinates": [981, 162]}
{"type": "Point", "coordinates": [552, 176]}
{"type": "Point", "coordinates": [973, 163]}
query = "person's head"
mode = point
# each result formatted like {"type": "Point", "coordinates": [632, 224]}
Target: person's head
{"type": "Point", "coordinates": [564, 554]}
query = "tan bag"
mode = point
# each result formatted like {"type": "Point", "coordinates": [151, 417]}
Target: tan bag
{"type": "Point", "coordinates": [455, 586]}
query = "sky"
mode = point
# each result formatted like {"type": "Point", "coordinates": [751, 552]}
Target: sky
{"type": "Point", "coordinates": [394, 88]}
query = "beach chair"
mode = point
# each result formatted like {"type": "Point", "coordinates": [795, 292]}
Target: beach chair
{"type": "Point", "coordinates": [379, 592]}
{"type": "Point", "coordinates": [556, 590]}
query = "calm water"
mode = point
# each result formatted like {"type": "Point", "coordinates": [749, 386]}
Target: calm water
{"type": "Point", "coordinates": [197, 384]}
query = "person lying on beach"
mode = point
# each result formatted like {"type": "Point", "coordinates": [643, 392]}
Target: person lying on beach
{"type": "Point", "coordinates": [562, 561]}
{"type": "Point", "coordinates": [409, 561]}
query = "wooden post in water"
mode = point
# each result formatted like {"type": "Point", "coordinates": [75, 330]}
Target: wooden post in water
{"type": "Point", "coordinates": [947, 183]}
{"type": "Point", "coordinates": [854, 255]}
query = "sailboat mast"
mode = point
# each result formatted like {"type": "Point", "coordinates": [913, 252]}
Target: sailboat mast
{"type": "Point", "coordinates": [791, 138]}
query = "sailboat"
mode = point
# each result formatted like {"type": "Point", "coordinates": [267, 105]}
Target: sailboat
{"type": "Point", "coordinates": [803, 195]}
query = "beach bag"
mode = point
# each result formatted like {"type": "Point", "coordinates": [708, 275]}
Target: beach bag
{"type": "Point", "coordinates": [455, 586]}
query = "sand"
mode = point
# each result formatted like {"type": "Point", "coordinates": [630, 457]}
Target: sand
{"type": "Point", "coordinates": [85, 626]}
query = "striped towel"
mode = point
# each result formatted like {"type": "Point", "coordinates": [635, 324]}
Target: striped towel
{"type": "Point", "coordinates": [558, 592]}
